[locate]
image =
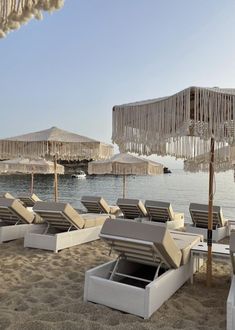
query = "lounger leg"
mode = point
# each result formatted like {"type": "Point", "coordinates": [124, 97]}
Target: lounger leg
{"type": "Point", "coordinates": [191, 267]}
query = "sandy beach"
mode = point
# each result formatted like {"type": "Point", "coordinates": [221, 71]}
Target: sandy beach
{"type": "Point", "coordinates": [40, 290]}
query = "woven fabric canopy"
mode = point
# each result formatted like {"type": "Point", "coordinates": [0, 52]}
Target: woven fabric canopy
{"type": "Point", "coordinates": [54, 142]}
{"type": "Point", "coordinates": [122, 164]}
{"type": "Point", "coordinates": [27, 166]}
{"type": "Point", "coordinates": [224, 161]}
{"type": "Point", "coordinates": [180, 125]}
{"type": "Point", "coordinates": [14, 13]}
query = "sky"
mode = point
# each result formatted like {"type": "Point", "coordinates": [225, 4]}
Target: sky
{"type": "Point", "coordinates": [70, 69]}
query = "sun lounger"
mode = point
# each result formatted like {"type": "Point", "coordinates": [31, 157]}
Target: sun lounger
{"type": "Point", "coordinates": [231, 296]}
{"type": "Point", "coordinates": [199, 215]}
{"type": "Point", "coordinates": [132, 208]}
{"type": "Point", "coordinates": [162, 213]}
{"type": "Point", "coordinates": [15, 220]}
{"type": "Point", "coordinates": [7, 195]}
{"type": "Point", "coordinates": [152, 264]}
{"type": "Point", "coordinates": [95, 204]}
{"type": "Point", "coordinates": [65, 227]}
{"type": "Point", "coordinates": [29, 200]}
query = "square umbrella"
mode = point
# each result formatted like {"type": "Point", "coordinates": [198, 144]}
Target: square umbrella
{"type": "Point", "coordinates": [189, 123]}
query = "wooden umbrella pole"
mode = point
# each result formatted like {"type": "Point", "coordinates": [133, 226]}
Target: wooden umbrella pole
{"type": "Point", "coordinates": [210, 214]}
{"type": "Point", "coordinates": [55, 179]}
{"type": "Point", "coordinates": [32, 183]}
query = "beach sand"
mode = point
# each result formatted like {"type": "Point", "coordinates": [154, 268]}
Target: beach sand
{"type": "Point", "coordinates": [41, 290]}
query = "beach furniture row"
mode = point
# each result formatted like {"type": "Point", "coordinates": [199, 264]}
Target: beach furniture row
{"type": "Point", "coordinates": [151, 261]}
{"type": "Point", "coordinates": [55, 226]}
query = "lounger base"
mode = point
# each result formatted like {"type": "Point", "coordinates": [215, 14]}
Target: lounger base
{"type": "Point", "coordinates": [9, 233]}
{"type": "Point", "coordinates": [217, 234]}
{"type": "Point", "coordinates": [61, 241]}
{"type": "Point", "coordinates": [231, 306]}
{"type": "Point", "coordinates": [142, 302]}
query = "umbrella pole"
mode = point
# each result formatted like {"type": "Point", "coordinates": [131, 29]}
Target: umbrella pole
{"type": "Point", "coordinates": [55, 179]}
{"type": "Point", "coordinates": [124, 186]}
{"type": "Point", "coordinates": [210, 214]}
{"type": "Point", "coordinates": [32, 183]}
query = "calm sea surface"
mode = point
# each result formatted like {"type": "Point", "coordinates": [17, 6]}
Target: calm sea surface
{"type": "Point", "coordinates": [179, 188]}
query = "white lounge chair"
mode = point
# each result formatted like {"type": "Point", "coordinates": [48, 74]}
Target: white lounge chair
{"type": "Point", "coordinates": [65, 227]}
{"type": "Point", "coordinates": [132, 208]}
{"type": "Point", "coordinates": [95, 204]}
{"type": "Point", "coordinates": [162, 214]}
{"type": "Point", "coordinates": [231, 296]}
{"type": "Point", "coordinates": [151, 265]}
{"type": "Point", "coordinates": [199, 215]}
{"type": "Point", "coordinates": [29, 200]}
{"type": "Point", "coordinates": [15, 220]}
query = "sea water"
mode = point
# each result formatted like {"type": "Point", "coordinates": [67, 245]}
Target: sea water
{"type": "Point", "coordinates": [179, 188]}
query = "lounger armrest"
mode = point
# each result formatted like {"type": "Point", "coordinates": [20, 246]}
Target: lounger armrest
{"type": "Point", "coordinates": [178, 216]}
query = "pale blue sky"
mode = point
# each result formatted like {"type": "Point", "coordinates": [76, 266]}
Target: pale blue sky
{"type": "Point", "coordinates": [70, 69]}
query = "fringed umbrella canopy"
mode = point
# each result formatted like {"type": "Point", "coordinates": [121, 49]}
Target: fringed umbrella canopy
{"type": "Point", "coordinates": [122, 164]}
{"type": "Point", "coordinates": [14, 13]}
{"type": "Point", "coordinates": [54, 142]}
{"type": "Point", "coordinates": [28, 166]}
{"type": "Point", "coordinates": [180, 125]}
{"type": "Point", "coordinates": [224, 161]}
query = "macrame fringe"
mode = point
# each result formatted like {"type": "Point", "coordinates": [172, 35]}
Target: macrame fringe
{"type": "Point", "coordinates": [180, 125]}
{"type": "Point", "coordinates": [65, 151]}
{"type": "Point", "coordinates": [14, 13]}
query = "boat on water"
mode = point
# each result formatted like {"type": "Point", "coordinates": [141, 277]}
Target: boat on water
{"type": "Point", "coordinates": [79, 175]}
{"type": "Point", "coordinates": [166, 170]}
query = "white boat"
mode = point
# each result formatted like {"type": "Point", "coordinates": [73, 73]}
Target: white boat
{"type": "Point", "coordinates": [79, 175]}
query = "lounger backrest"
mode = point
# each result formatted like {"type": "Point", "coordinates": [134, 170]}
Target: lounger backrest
{"type": "Point", "coordinates": [12, 211]}
{"type": "Point", "coordinates": [159, 211]}
{"type": "Point", "coordinates": [29, 200]}
{"type": "Point", "coordinates": [59, 215]}
{"type": "Point", "coordinates": [232, 249]}
{"type": "Point", "coordinates": [141, 242]}
{"type": "Point", "coordinates": [131, 208]}
{"type": "Point", "coordinates": [199, 215]}
{"type": "Point", "coordinates": [95, 204]}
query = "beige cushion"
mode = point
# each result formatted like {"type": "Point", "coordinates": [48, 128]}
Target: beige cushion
{"type": "Point", "coordinates": [11, 211]}
{"type": "Point", "coordinates": [115, 210]}
{"type": "Point", "coordinates": [8, 195]}
{"type": "Point", "coordinates": [185, 241]}
{"type": "Point", "coordinates": [162, 246]}
{"type": "Point", "coordinates": [93, 220]}
{"type": "Point", "coordinates": [132, 208]}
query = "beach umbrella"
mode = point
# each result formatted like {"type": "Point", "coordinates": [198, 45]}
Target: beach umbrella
{"type": "Point", "coordinates": [14, 13]}
{"type": "Point", "coordinates": [125, 164]}
{"type": "Point", "coordinates": [54, 144]}
{"type": "Point", "coordinates": [223, 161]}
{"type": "Point", "coordinates": [30, 166]}
{"type": "Point", "coordinates": [191, 122]}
